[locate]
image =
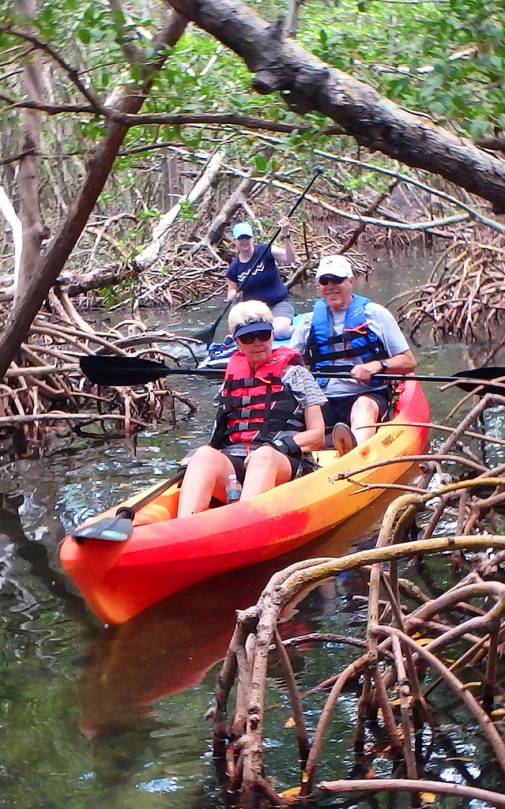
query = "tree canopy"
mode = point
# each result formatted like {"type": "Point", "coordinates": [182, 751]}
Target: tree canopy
{"type": "Point", "coordinates": [414, 81]}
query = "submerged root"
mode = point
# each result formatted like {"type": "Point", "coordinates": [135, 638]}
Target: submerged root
{"type": "Point", "coordinates": [401, 666]}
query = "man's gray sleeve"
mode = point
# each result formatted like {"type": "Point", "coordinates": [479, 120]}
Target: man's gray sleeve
{"type": "Point", "coordinates": [300, 335]}
{"type": "Point", "coordinates": [382, 322]}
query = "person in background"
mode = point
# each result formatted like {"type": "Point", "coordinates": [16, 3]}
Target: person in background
{"type": "Point", "coordinates": [269, 418]}
{"type": "Point", "coordinates": [348, 332]}
{"type": "Point", "coordinates": [264, 282]}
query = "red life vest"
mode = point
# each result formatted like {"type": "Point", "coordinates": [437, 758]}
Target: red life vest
{"type": "Point", "coordinates": [258, 408]}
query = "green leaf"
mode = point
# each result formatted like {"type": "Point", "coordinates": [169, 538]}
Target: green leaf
{"type": "Point", "coordinates": [84, 35]}
{"type": "Point", "coordinates": [260, 163]}
{"type": "Point", "coordinates": [438, 108]}
{"type": "Point", "coordinates": [460, 103]}
{"type": "Point", "coordinates": [479, 127]}
{"type": "Point", "coordinates": [119, 17]}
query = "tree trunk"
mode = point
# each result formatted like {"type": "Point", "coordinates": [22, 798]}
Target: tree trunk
{"type": "Point", "coordinates": [310, 84]}
{"type": "Point", "coordinates": [151, 252]}
{"type": "Point", "coordinates": [13, 220]}
{"type": "Point", "coordinates": [99, 166]}
{"type": "Point", "coordinates": [31, 126]}
{"type": "Point", "coordinates": [292, 18]}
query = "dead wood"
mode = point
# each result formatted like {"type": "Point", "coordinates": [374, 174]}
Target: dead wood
{"type": "Point", "coordinates": [407, 634]}
{"type": "Point", "coordinates": [422, 786]}
{"type": "Point", "coordinates": [465, 295]}
{"type": "Point", "coordinates": [45, 387]}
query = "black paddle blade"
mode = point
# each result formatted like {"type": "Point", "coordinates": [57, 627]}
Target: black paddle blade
{"type": "Point", "coordinates": [207, 335]}
{"type": "Point", "coordinates": [485, 373]}
{"type": "Point", "coordinates": [121, 370]}
{"type": "Point", "coordinates": [114, 529]}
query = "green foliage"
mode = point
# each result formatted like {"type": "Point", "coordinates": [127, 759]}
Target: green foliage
{"type": "Point", "coordinates": [113, 295]}
{"type": "Point", "coordinates": [188, 210]}
{"type": "Point", "coordinates": [443, 59]}
{"type": "Point", "coordinates": [446, 59]}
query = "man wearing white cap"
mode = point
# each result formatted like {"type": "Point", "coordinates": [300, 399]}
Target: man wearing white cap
{"type": "Point", "coordinates": [348, 332]}
{"type": "Point", "coordinates": [264, 282]}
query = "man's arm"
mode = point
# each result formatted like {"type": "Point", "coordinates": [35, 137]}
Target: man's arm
{"type": "Point", "coordinates": [403, 363]}
{"type": "Point", "coordinates": [401, 359]}
{"type": "Point", "coordinates": [300, 335]}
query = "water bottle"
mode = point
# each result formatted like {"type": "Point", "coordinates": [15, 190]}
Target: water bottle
{"type": "Point", "coordinates": [233, 489]}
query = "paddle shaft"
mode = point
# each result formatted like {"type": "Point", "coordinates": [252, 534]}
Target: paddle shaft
{"type": "Point", "coordinates": [130, 511]}
{"type": "Point", "coordinates": [217, 373]}
{"type": "Point", "coordinates": [119, 371]}
{"type": "Point", "coordinates": [207, 335]}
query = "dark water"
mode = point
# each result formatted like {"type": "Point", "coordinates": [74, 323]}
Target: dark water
{"type": "Point", "coordinates": [93, 716]}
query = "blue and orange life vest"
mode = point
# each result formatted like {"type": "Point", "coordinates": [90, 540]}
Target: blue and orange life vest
{"type": "Point", "coordinates": [356, 343]}
{"type": "Point", "coordinates": [258, 408]}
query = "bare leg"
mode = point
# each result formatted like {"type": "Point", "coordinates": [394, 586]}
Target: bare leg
{"type": "Point", "coordinates": [364, 412]}
{"type": "Point", "coordinates": [265, 469]}
{"type": "Point", "coordinates": [207, 473]}
{"type": "Point", "coordinates": [283, 328]}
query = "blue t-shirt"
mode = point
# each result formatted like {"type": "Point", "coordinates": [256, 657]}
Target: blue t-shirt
{"type": "Point", "coordinates": [264, 283]}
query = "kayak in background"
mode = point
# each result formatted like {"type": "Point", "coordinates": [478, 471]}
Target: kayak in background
{"type": "Point", "coordinates": [219, 353]}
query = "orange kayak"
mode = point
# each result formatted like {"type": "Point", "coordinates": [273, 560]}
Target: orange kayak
{"type": "Point", "coordinates": [166, 554]}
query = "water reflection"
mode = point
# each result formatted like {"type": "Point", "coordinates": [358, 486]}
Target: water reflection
{"type": "Point", "coordinates": [169, 647]}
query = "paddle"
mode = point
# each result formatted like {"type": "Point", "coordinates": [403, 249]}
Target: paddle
{"type": "Point", "coordinates": [136, 371]}
{"type": "Point", "coordinates": [207, 335]}
{"type": "Point", "coordinates": [120, 527]}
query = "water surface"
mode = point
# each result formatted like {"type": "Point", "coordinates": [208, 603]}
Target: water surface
{"type": "Point", "coordinates": [99, 716]}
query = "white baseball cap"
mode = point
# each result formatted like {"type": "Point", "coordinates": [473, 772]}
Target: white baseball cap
{"type": "Point", "coordinates": [339, 266]}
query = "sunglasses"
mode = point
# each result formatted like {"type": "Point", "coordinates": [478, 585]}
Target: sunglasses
{"type": "Point", "coordinates": [248, 339]}
{"type": "Point", "coordinates": [331, 279]}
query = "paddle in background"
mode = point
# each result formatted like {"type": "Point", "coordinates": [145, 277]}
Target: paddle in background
{"type": "Point", "coordinates": [113, 370]}
{"type": "Point", "coordinates": [207, 335]}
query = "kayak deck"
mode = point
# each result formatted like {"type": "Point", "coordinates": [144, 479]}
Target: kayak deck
{"type": "Point", "coordinates": [166, 554]}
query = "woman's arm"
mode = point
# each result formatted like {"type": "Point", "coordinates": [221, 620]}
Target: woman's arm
{"type": "Point", "coordinates": [312, 437]}
{"type": "Point", "coordinates": [288, 255]}
{"type": "Point", "coordinates": [232, 290]}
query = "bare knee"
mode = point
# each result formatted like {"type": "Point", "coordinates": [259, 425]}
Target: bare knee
{"type": "Point", "coordinates": [364, 417]}
{"type": "Point", "coordinates": [365, 408]}
{"type": "Point", "coordinates": [283, 328]}
{"type": "Point", "coordinates": [204, 455]}
{"type": "Point", "coordinates": [261, 458]}
{"type": "Point", "coordinates": [269, 464]}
